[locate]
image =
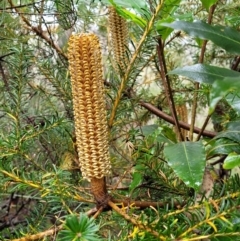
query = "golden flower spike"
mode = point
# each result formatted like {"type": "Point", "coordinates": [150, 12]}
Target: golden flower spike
{"type": "Point", "coordinates": [119, 38]}
{"type": "Point", "coordinates": [85, 66]}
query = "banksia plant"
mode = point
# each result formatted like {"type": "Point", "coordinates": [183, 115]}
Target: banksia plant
{"type": "Point", "coordinates": [85, 66]}
{"type": "Point", "coordinates": [119, 38]}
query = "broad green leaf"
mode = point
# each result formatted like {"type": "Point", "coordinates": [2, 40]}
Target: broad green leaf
{"type": "Point", "coordinates": [221, 88]}
{"type": "Point", "coordinates": [232, 160]}
{"type": "Point", "coordinates": [222, 146]}
{"type": "Point", "coordinates": [187, 159]}
{"type": "Point", "coordinates": [225, 37]}
{"type": "Point", "coordinates": [232, 132]}
{"type": "Point", "coordinates": [208, 3]}
{"type": "Point", "coordinates": [205, 73]}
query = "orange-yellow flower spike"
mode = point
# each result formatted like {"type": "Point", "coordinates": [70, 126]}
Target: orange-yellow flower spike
{"type": "Point", "coordinates": [119, 38]}
{"type": "Point", "coordinates": [85, 66]}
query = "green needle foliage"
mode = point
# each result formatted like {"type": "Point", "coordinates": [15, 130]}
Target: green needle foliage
{"type": "Point", "coordinates": [79, 228]}
{"type": "Point", "coordinates": [174, 176]}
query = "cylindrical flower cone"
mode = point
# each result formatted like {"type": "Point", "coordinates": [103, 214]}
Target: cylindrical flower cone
{"type": "Point", "coordinates": [119, 39]}
{"type": "Point", "coordinates": [90, 117]}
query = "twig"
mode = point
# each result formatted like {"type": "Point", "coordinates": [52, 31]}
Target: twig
{"type": "Point", "coordinates": [19, 6]}
{"type": "Point", "coordinates": [197, 85]}
{"type": "Point", "coordinates": [203, 127]}
{"type": "Point", "coordinates": [40, 235]}
{"type": "Point", "coordinates": [167, 86]}
{"type": "Point", "coordinates": [134, 221]}
{"type": "Point", "coordinates": [169, 119]}
{"type": "Point", "coordinates": [39, 32]}
{"type": "Point", "coordinates": [131, 63]}
{"type": "Point", "coordinates": [176, 35]}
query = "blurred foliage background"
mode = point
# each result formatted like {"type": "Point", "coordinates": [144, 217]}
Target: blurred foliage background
{"type": "Point", "coordinates": [40, 180]}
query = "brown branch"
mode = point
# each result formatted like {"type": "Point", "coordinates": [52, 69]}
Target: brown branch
{"type": "Point", "coordinates": [167, 86]}
{"type": "Point", "coordinates": [38, 31]}
{"type": "Point", "coordinates": [170, 119]}
{"type": "Point", "coordinates": [236, 63]}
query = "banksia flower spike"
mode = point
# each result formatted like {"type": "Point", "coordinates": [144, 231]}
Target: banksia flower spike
{"type": "Point", "coordinates": [85, 66]}
{"type": "Point", "coordinates": [119, 38]}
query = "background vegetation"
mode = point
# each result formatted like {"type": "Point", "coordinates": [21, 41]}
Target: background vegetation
{"type": "Point", "coordinates": [181, 71]}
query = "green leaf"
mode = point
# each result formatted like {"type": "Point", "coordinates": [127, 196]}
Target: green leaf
{"type": "Point", "coordinates": [131, 16]}
{"type": "Point", "coordinates": [221, 88]}
{"type": "Point", "coordinates": [169, 8]}
{"type": "Point", "coordinates": [166, 135]}
{"type": "Point", "coordinates": [160, 134]}
{"type": "Point", "coordinates": [232, 160]}
{"type": "Point", "coordinates": [139, 7]}
{"type": "Point", "coordinates": [208, 3]}
{"type": "Point", "coordinates": [205, 73]}
{"type": "Point", "coordinates": [137, 180]}
{"type": "Point", "coordinates": [149, 129]}
{"type": "Point", "coordinates": [233, 99]}
{"type": "Point", "coordinates": [222, 146]}
{"type": "Point", "coordinates": [225, 37]}
{"type": "Point", "coordinates": [188, 161]}
{"type": "Point", "coordinates": [164, 31]}
{"type": "Point", "coordinates": [232, 132]}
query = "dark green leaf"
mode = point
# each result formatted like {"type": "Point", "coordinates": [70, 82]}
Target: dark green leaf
{"type": "Point", "coordinates": [164, 31]}
{"type": "Point", "coordinates": [232, 132]}
{"type": "Point", "coordinates": [233, 160]}
{"type": "Point", "coordinates": [225, 37]}
{"type": "Point", "coordinates": [233, 99]}
{"type": "Point", "coordinates": [221, 88]}
{"type": "Point", "coordinates": [149, 129]}
{"type": "Point", "coordinates": [161, 134]}
{"type": "Point", "coordinates": [222, 146]}
{"type": "Point", "coordinates": [188, 161]}
{"type": "Point", "coordinates": [166, 135]}
{"type": "Point", "coordinates": [205, 73]}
